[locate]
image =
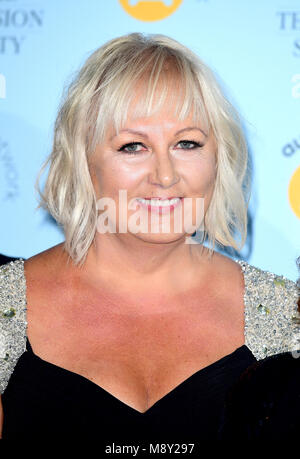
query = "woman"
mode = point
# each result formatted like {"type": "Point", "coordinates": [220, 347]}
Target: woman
{"type": "Point", "coordinates": [132, 332]}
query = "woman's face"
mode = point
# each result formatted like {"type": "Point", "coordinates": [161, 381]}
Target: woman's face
{"type": "Point", "coordinates": [155, 157]}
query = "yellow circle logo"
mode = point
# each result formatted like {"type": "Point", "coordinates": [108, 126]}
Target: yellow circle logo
{"type": "Point", "coordinates": [150, 10]}
{"type": "Point", "coordinates": [294, 192]}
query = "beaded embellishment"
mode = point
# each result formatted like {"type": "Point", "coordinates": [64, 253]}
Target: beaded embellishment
{"type": "Point", "coordinates": [270, 313]}
{"type": "Point", "coordinates": [13, 321]}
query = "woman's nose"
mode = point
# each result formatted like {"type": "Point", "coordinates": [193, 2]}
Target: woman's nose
{"type": "Point", "coordinates": [165, 173]}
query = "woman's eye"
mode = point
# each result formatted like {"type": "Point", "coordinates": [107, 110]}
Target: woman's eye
{"type": "Point", "coordinates": [132, 148]}
{"type": "Point", "coordinates": [189, 144]}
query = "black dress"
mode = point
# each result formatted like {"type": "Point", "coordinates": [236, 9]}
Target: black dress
{"type": "Point", "coordinates": [264, 405]}
{"type": "Point", "coordinates": [42, 399]}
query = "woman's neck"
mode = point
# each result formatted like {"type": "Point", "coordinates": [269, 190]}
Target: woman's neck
{"type": "Point", "coordinates": [144, 265]}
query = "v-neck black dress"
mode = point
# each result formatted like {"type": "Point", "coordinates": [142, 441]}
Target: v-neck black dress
{"type": "Point", "coordinates": [44, 400]}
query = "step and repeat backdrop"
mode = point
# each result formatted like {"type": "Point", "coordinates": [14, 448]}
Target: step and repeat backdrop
{"type": "Point", "coordinates": [252, 46]}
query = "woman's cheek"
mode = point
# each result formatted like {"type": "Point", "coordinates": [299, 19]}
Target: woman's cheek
{"type": "Point", "coordinates": [128, 176]}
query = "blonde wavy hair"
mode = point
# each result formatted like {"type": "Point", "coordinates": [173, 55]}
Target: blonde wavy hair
{"type": "Point", "coordinates": [101, 93]}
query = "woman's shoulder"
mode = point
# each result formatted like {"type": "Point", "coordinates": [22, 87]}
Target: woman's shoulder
{"type": "Point", "coordinates": [257, 282]}
{"type": "Point", "coordinates": [46, 262]}
{"type": "Point", "coordinates": [270, 300]}
{"type": "Point", "coordinates": [12, 292]}
{"type": "Point", "coordinates": [12, 284]}
{"type": "Point", "coordinates": [271, 311]}
{"type": "Point", "coordinates": [12, 317]}
{"type": "Point", "coordinates": [15, 277]}
{"type": "Point", "coordinates": [276, 293]}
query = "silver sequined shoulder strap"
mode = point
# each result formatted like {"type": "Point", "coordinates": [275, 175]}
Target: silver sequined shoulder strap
{"type": "Point", "coordinates": [270, 301]}
{"type": "Point", "coordinates": [13, 321]}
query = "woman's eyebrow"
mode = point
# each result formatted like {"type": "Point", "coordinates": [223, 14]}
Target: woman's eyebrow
{"type": "Point", "coordinates": [191, 129]}
{"type": "Point", "coordinates": [131, 131]}
{"type": "Point", "coordinates": [143, 134]}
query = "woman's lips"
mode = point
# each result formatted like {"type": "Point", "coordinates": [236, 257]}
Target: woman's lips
{"type": "Point", "coordinates": [153, 205]}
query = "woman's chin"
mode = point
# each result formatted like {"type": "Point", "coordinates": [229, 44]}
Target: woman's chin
{"type": "Point", "coordinates": [161, 238]}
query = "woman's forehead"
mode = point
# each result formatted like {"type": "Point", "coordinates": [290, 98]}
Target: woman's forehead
{"type": "Point", "coordinates": [160, 124]}
{"type": "Point", "coordinates": [167, 98]}
{"type": "Point", "coordinates": [165, 117]}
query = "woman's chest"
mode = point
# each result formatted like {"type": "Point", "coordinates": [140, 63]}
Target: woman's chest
{"type": "Point", "coordinates": [138, 357]}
